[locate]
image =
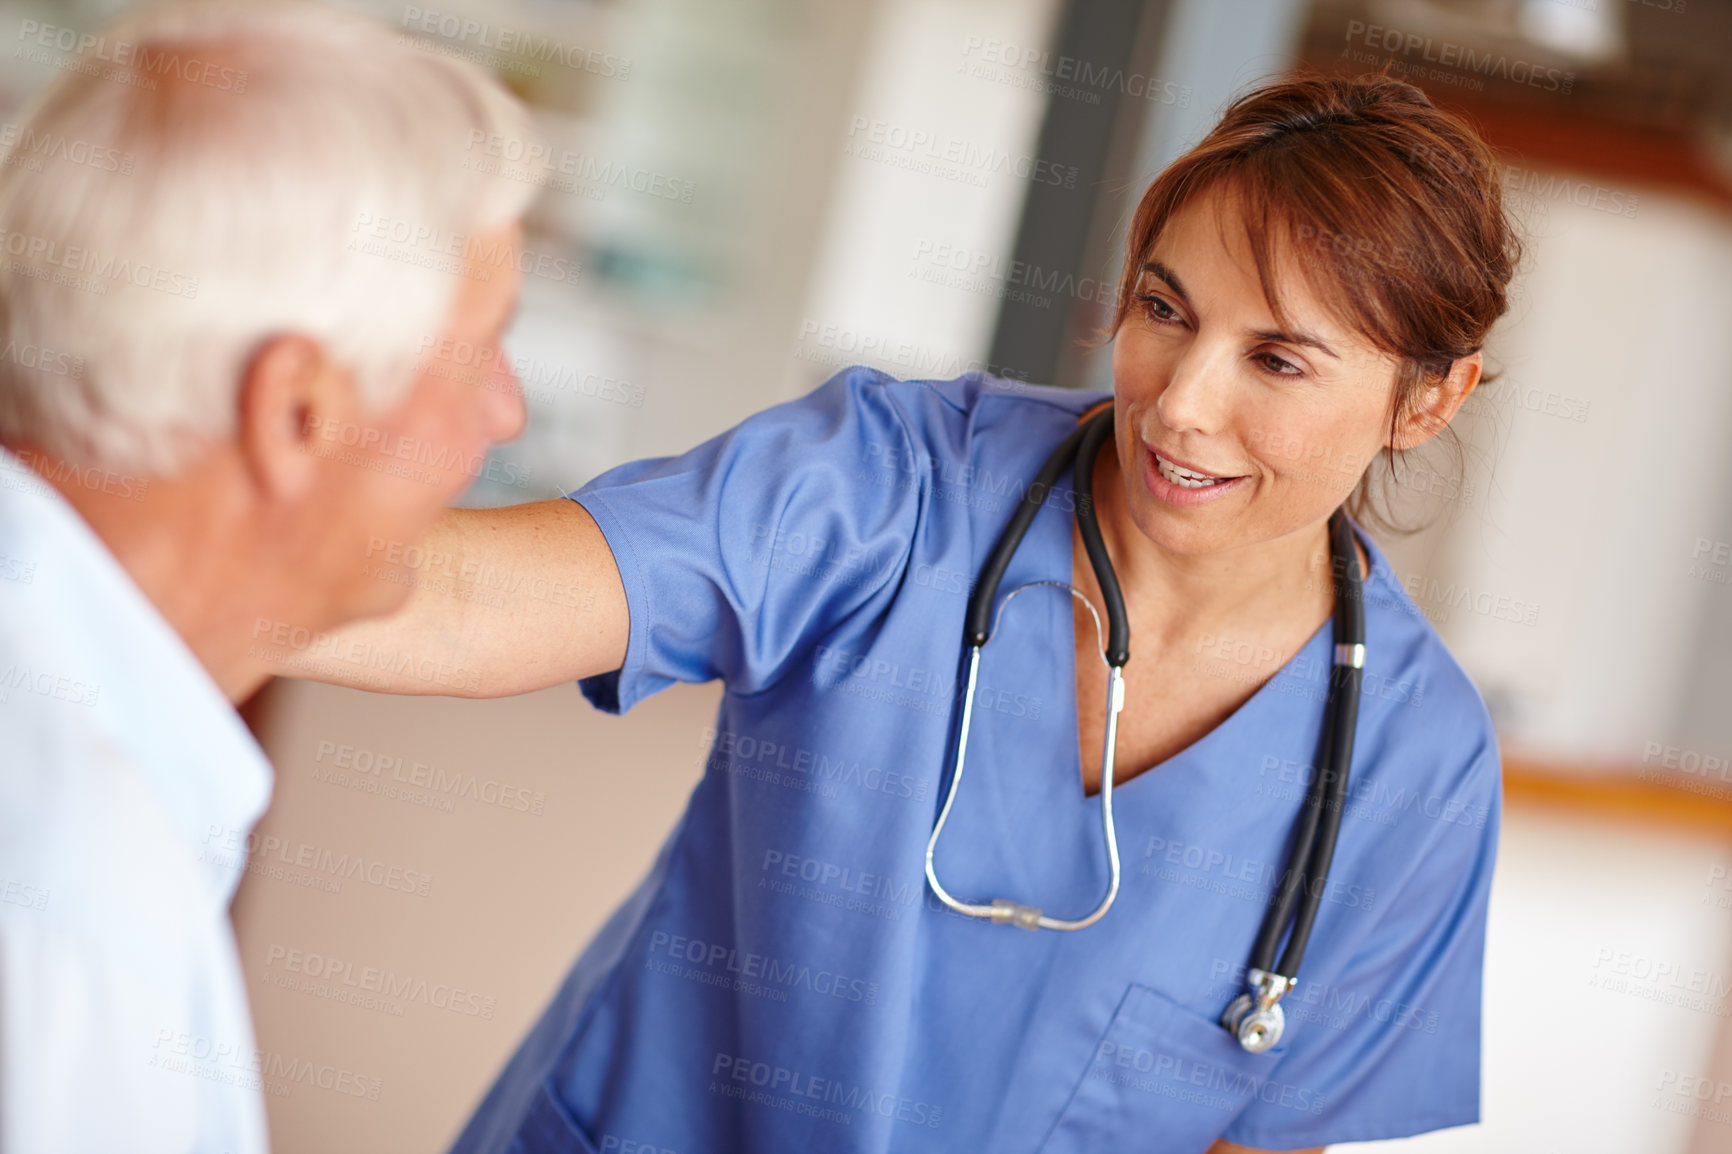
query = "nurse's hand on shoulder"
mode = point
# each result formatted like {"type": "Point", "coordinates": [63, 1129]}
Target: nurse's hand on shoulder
{"type": "Point", "coordinates": [1235, 1148]}
{"type": "Point", "coordinates": [499, 601]}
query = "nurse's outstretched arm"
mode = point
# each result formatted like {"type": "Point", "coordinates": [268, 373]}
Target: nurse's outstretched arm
{"type": "Point", "coordinates": [503, 601]}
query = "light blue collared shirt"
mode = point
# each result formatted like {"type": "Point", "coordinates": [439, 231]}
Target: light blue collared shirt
{"type": "Point", "coordinates": [128, 786]}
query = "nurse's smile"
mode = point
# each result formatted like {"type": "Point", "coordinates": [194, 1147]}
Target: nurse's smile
{"type": "Point", "coordinates": [1177, 485]}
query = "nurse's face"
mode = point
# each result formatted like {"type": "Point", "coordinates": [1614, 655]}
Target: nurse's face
{"type": "Point", "coordinates": [1207, 383]}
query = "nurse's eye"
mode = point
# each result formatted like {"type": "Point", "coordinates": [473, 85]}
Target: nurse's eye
{"type": "Point", "coordinates": [1156, 309]}
{"type": "Point", "coordinates": [1277, 366]}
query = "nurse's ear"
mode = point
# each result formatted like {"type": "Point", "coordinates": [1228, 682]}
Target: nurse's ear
{"type": "Point", "coordinates": [1436, 401]}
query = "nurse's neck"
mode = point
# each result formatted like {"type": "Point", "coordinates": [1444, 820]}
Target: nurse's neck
{"type": "Point", "coordinates": [1174, 597]}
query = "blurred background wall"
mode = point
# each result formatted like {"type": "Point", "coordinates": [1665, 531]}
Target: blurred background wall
{"type": "Point", "coordinates": [768, 190]}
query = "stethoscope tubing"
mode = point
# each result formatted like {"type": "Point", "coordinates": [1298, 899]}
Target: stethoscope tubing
{"type": "Point", "coordinates": [1254, 1017]}
{"type": "Point", "coordinates": [1325, 797]}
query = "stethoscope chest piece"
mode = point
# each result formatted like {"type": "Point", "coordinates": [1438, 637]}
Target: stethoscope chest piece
{"type": "Point", "coordinates": [1256, 1017]}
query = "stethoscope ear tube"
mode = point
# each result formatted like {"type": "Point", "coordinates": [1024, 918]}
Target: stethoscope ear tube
{"type": "Point", "coordinates": [1099, 429]}
{"type": "Point", "coordinates": [977, 628]}
{"type": "Point", "coordinates": [1080, 447]}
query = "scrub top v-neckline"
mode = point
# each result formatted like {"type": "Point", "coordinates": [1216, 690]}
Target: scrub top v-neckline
{"type": "Point", "coordinates": [1043, 834]}
{"type": "Point", "coordinates": [1132, 698]}
{"type": "Point", "coordinates": [1120, 785]}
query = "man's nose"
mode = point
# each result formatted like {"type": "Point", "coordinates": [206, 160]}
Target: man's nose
{"type": "Point", "coordinates": [503, 411]}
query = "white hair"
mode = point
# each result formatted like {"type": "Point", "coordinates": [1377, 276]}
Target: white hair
{"type": "Point", "coordinates": [214, 172]}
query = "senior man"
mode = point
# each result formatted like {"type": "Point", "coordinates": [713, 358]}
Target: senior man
{"type": "Point", "coordinates": [234, 239]}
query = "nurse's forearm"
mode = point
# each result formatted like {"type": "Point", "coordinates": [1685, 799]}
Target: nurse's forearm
{"type": "Point", "coordinates": [504, 601]}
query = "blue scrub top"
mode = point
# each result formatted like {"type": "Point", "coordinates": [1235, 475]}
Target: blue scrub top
{"type": "Point", "coordinates": [784, 980]}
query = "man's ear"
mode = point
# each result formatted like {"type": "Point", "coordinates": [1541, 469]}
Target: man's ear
{"type": "Point", "coordinates": [1437, 403]}
{"type": "Point", "coordinates": [288, 394]}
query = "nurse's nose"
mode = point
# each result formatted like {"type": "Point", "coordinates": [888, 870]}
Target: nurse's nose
{"type": "Point", "coordinates": [1196, 396]}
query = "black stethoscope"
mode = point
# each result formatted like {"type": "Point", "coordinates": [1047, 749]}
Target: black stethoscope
{"type": "Point", "coordinates": [1255, 1017]}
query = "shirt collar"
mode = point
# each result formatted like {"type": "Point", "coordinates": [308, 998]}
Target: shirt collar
{"type": "Point", "coordinates": [156, 702]}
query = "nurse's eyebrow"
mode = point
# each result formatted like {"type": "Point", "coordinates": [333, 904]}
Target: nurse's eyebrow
{"type": "Point", "coordinates": [1168, 275]}
{"type": "Point", "coordinates": [1299, 337]}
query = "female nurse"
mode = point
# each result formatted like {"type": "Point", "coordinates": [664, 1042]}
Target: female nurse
{"type": "Point", "coordinates": [1306, 289]}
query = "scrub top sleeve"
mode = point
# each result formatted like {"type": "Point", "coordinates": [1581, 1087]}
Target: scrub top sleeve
{"type": "Point", "coordinates": [1391, 1046]}
{"type": "Point", "coordinates": [741, 555]}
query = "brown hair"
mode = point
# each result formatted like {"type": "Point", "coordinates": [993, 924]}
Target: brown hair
{"type": "Point", "coordinates": [1392, 205]}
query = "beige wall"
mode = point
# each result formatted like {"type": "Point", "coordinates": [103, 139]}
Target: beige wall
{"type": "Point", "coordinates": [510, 897]}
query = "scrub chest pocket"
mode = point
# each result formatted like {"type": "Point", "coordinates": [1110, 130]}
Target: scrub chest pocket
{"type": "Point", "coordinates": [549, 1128]}
{"type": "Point", "coordinates": [1165, 1076]}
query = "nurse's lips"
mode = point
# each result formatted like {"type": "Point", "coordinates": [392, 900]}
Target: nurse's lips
{"type": "Point", "coordinates": [1173, 492]}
